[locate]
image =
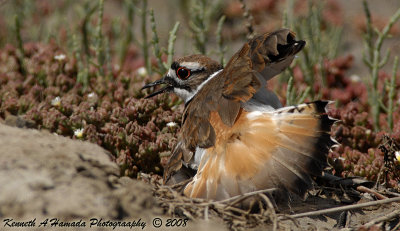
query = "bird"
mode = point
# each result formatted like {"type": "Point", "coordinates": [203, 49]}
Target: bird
{"type": "Point", "coordinates": [236, 137]}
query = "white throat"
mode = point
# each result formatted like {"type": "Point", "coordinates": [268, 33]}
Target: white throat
{"type": "Point", "coordinates": [188, 95]}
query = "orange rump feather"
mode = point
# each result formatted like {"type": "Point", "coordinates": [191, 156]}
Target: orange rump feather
{"type": "Point", "coordinates": [278, 149]}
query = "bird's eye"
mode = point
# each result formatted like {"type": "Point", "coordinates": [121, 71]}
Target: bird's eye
{"type": "Point", "coordinates": [183, 73]}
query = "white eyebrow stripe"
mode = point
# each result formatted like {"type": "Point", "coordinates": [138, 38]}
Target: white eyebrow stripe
{"type": "Point", "coordinates": [193, 66]}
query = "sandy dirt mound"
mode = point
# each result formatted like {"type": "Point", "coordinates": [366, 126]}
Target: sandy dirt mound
{"type": "Point", "coordinates": [43, 175]}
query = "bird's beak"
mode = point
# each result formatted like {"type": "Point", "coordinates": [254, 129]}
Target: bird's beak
{"type": "Point", "coordinates": [167, 88]}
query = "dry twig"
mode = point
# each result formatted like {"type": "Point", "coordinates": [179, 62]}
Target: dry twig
{"type": "Point", "coordinates": [375, 193]}
{"type": "Point", "coordinates": [347, 207]}
{"type": "Point", "coordinates": [386, 217]}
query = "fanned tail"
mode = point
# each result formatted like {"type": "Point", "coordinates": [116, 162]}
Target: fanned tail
{"type": "Point", "coordinates": [303, 144]}
{"type": "Point", "coordinates": [278, 149]}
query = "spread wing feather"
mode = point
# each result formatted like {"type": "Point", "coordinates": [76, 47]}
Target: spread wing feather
{"type": "Point", "coordinates": [257, 61]}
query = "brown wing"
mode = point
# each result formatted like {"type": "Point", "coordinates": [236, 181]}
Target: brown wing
{"type": "Point", "coordinates": [175, 172]}
{"type": "Point", "coordinates": [261, 57]}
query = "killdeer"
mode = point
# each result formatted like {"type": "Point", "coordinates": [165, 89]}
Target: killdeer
{"type": "Point", "coordinates": [236, 137]}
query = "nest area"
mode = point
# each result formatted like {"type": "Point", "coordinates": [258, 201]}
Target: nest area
{"type": "Point", "coordinates": [339, 199]}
